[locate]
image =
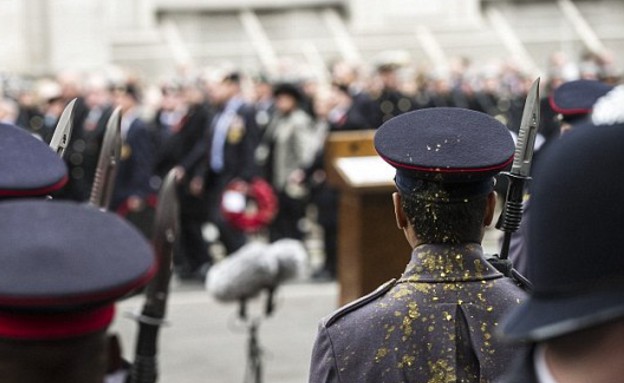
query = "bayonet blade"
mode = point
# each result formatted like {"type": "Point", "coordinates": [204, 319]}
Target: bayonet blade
{"type": "Point", "coordinates": [527, 133]}
{"type": "Point", "coordinates": [105, 171]}
{"type": "Point", "coordinates": [164, 235]}
{"type": "Point", "coordinates": [166, 221]}
{"type": "Point", "coordinates": [63, 130]}
{"type": "Point", "coordinates": [144, 368]}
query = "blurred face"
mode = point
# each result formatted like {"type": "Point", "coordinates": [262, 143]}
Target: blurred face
{"type": "Point", "coordinates": [322, 106]}
{"type": "Point", "coordinates": [192, 95]}
{"type": "Point", "coordinates": [97, 96]}
{"type": "Point", "coordinates": [340, 99]}
{"type": "Point", "coordinates": [343, 73]}
{"type": "Point", "coordinates": [170, 100]}
{"type": "Point", "coordinates": [389, 79]}
{"type": "Point", "coordinates": [125, 101]}
{"type": "Point", "coordinates": [55, 107]}
{"type": "Point", "coordinates": [285, 103]}
{"type": "Point", "coordinates": [264, 91]}
{"type": "Point", "coordinates": [223, 91]}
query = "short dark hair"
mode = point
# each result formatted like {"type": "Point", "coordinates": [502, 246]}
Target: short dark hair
{"type": "Point", "coordinates": [436, 218]}
{"type": "Point", "coordinates": [76, 360]}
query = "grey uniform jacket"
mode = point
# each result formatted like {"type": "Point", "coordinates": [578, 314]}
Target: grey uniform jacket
{"type": "Point", "coordinates": [436, 324]}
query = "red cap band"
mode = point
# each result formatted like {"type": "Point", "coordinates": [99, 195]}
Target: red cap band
{"type": "Point", "coordinates": [49, 326]}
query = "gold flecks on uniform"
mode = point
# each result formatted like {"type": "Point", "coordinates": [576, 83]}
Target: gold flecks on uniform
{"type": "Point", "coordinates": [406, 326]}
{"type": "Point", "coordinates": [406, 361]}
{"type": "Point", "coordinates": [413, 312]}
{"type": "Point", "coordinates": [441, 372]}
{"type": "Point", "coordinates": [479, 268]}
{"type": "Point", "coordinates": [402, 292]}
{"type": "Point", "coordinates": [424, 288]}
{"type": "Point", "coordinates": [381, 353]}
{"type": "Point", "coordinates": [422, 315]}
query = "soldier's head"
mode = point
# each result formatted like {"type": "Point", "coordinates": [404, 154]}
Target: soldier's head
{"type": "Point", "coordinates": [64, 265]}
{"type": "Point", "coordinates": [28, 168]}
{"type": "Point", "coordinates": [574, 101]}
{"type": "Point", "coordinates": [576, 307]}
{"type": "Point", "coordinates": [446, 159]}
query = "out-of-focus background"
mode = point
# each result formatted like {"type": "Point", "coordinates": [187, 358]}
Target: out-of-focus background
{"type": "Point", "coordinates": [158, 36]}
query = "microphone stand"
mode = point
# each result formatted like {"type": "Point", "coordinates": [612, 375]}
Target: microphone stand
{"type": "Point", "coordinates": [253, 370]}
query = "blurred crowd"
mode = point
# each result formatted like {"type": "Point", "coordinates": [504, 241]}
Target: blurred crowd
{"type": "Point", "coordinates": [217, 125]}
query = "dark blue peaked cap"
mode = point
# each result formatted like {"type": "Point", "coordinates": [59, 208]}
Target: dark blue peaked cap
{"type": "Point", "coordinates": [575, 252]}
{"type": "Point", "coordinates": [28, 167]}
{"type": "Point", "coordinates": [63, 266]}
{"type": "Point", "coordinates": [459, 148]}
{"type": "Point", "coordinates": [577, 98]}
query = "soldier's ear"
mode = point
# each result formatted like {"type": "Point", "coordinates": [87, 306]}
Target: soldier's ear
{"type": "Point", "coordinates": [401, 220]}
{"type": "Point", "coordinates": [490, 207]}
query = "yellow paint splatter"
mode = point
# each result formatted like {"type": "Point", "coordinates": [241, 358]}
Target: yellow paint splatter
{"type": "Point", "coordinates": [407, 360]}
{"type": "Point", "coordinates": [381, 353]}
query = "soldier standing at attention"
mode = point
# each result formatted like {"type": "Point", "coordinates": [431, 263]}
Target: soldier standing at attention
{"type": "Point", "coordinates": [438, 321]}
{"type": "Point", "coordinates": [574, 318]}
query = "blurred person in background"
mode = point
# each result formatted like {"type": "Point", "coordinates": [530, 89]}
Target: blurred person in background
{"type": "Point", "coordinates": [29, 114]}
{"type": "Point", "coordinates": [263, 101]}
{"type": "Point", "coordinates": [225, 153]}
{"type": "Point", "coordinates": [389, 100]}
{"type": "Point", "coordinates": [86, 138]}
{"type": "Point", "coordinates": [9, 111]}
{"type": "Point", "coordinates": [284, 153]}
{"type": "Point", "coordinates": [132, 185]}
{"type": "Point", "coordinates": [347, 75]}
{"type": "Point", "coordinates": [177, 137]}
{"type": "Point", "coordinates": [345, 114]}
{"type": "Point", "coordinates": [51, 108]}
{"type": "Point", "coordinates": [440, 90]}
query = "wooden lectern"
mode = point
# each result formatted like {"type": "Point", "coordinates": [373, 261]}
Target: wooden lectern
{"type": "Point", "coordinates": [371, 249]}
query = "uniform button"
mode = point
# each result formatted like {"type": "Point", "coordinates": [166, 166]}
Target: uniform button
{"type": "Point", "coordinates": [77, 173]}
{"type": "Point", "coordinates": [386, 107]}
{"type": "Point", "coordinates": [76, 159]}
{"type": "Point", "coordinates": [79, 145]}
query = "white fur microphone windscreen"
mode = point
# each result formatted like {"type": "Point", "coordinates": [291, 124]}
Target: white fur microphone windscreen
{"type": "Point", "coordinates": [291, 258]}
{"type": "Point", "coordinates": [243, 274]}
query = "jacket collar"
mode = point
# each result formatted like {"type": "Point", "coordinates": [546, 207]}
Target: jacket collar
{"type": "Point", "coordinates": [449, 263]}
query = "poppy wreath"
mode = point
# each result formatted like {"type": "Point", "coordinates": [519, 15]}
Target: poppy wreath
{"type": "Point", "coordinates": [260, 205]}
